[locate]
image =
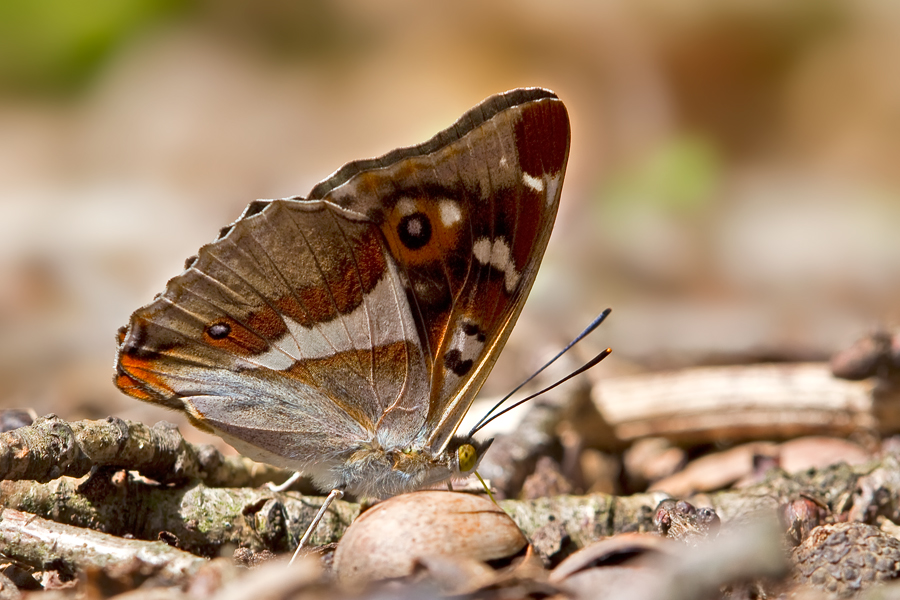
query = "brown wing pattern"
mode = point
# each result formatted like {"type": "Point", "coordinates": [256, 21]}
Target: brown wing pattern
{"type": "Point", "coordinates": [467, 217]}
{"type": "Point", "coordinates": [291, 332]}
{"type": "Point", "coordinates": [375, 309]}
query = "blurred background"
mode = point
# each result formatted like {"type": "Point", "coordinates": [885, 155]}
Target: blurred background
{"type": "Point", "coordinates": [733, 189]}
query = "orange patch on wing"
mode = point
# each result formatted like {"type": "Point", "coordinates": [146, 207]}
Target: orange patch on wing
{"type": "Point", "coordinates": [444, 237]}
{"type": "Point", "coordinates": [291, 307]}
{"type": "Point", "coordinates": [130, 386]}
{"type": "Point", "coordinates": [268, 323]}
{"type": "Point", "coordinates": [386, 356]}
{"type": "Point", "coordinates": [354, 273]}
{"type": "Point", "coordinates": [367, 182]}
{"type": "Point", "coordinates": [346, 279]}
{"type": "Point", "coordinates": [318, 303]}
{"type": "Point", "coordinates": [133, 372]}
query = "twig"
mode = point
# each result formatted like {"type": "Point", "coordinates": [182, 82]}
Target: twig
{"type": "Point", "coordinates": [710, 404]}
{"type": "Point", "coordinates": [196, 518]}
{"type": "Point", "coordinates": [43, 544]}
{"type": "Point", "coordinates": [52, 448]}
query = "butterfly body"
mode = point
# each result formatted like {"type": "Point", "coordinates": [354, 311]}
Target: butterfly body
{"type": "Point", "coordinates": [346, 334]}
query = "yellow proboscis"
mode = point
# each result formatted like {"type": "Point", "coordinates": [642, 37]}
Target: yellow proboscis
{"type": "Point", "coordinates": [486, 488]}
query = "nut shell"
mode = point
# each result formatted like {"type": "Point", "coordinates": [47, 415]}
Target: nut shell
{"type": "Point", "coordinates": [388, 540]}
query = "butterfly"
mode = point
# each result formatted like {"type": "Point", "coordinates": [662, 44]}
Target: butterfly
{"type": "Point", "coordinates": [346, 334]}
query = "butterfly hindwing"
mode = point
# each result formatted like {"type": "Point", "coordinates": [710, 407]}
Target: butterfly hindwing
{"type": "Point", "coordinates": [277, 317]}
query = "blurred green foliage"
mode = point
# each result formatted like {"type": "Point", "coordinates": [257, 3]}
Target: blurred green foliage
{"type": "Point", "coordinates": [54, 46]}
{"type": "Point", "coordinates": [678, 178]}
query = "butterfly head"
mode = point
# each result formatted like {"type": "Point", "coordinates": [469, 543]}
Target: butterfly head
{"type": "Point", "coordinates": [465, 455]}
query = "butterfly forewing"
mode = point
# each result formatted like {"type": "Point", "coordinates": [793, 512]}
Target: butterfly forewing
{"type": "Point", "coordinates": [370, 313]}
{"type": "Point", "coordinates": [467, 223]}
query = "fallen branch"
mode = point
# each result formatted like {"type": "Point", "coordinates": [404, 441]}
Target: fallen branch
{"type": "Point", "coordinates": [196, 518]}
{"type": "Point", "coordinates": [711, 404]}
{"type": "Point", "coordinates": [52, 448]}
{"type": "Point", "coordinates": [43, 544]}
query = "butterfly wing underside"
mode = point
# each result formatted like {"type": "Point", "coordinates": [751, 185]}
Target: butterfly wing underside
{"type": "Point", "coordinates": [279, 339]}
{"type": "Point", "coordinates": [467, 216]}
{"type": "Point", "coordinates": [375, 308]}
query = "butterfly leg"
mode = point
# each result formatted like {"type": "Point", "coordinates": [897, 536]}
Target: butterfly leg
{"type": "Point", "coordinates": [287, 484]}
{"type": "Point", "coordinates": [335, 494]}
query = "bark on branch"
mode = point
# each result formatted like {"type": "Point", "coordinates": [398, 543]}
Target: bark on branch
{"type": "Point", "coordinates": [52, 448]}
{"type": "Point", "coordinates": [201, 519]}
{"type": "Point", "coordinates": [42, 544]}
{"type": "Point", "coordinates": [744, 402]}
{"type": "Point", "coordinates": [196, 518]}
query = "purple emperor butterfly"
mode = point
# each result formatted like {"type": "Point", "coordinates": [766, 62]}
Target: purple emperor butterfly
{"type": "Point", "coordinates": [345, 335]}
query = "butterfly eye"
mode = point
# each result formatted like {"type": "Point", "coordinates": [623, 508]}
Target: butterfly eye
{"type": "Point", "coordinates": [467, 457]}
{"type": "Point", "coordinates": [218, 331]}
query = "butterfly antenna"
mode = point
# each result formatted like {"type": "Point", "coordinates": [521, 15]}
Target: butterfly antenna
{"type": "Point", "coordinates": [591, 363]}
{"type": "Point", "coordinates": [487, 418]}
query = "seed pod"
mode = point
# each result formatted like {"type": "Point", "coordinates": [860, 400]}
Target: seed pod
{"type": "Point", "coordinates": [388, 540]}
{"type": "Point", "coordinates": [843, 558]}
